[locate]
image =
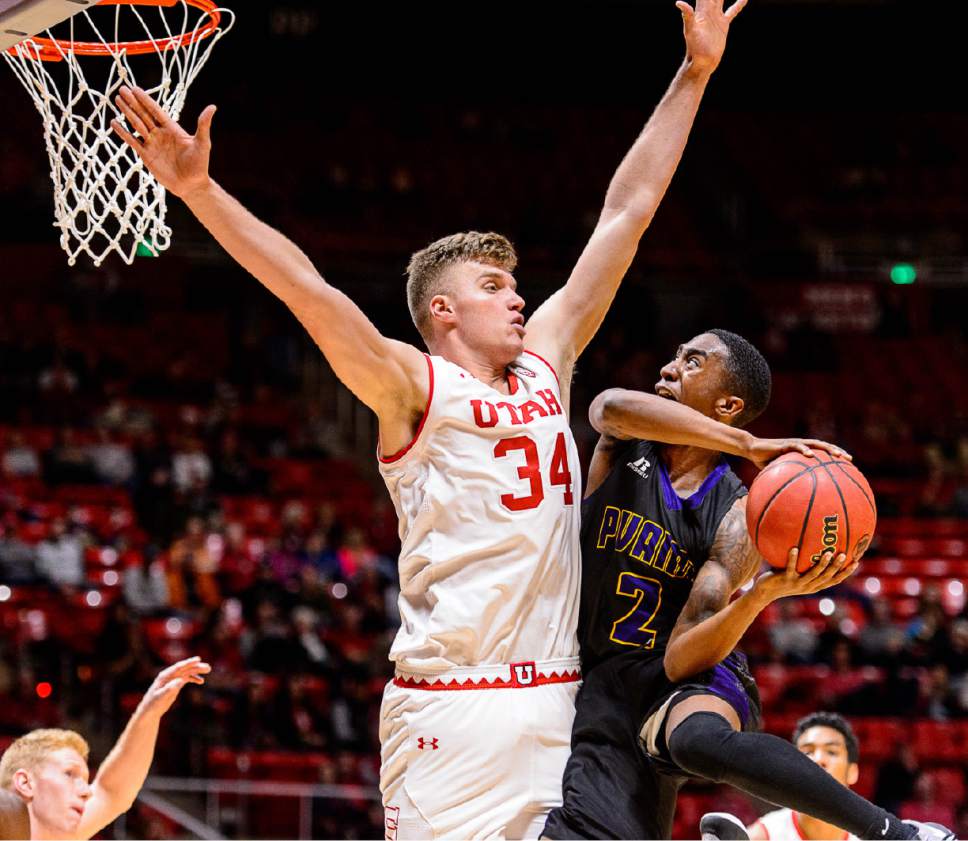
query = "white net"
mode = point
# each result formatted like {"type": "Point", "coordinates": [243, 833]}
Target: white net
{"type": "Point", "coordinates": [104, 198]}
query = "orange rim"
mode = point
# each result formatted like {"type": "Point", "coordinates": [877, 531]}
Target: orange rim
{"type": "Point", "coordinates": [51, 49]}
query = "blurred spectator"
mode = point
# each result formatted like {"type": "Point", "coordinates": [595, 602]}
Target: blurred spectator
{"type": "Point", "coordinates": [68, 462]}
{"type": "Point", "coordinates": [145, 586]}
{"type": "Point", "coordinates": [316, 657]}
{"type": "Point", "coordinates": [112, 460]}
{"type": "Point", "coordinates": [896, 777]}
{"type": "Point", "coordinates": [233, 470]}
{"type": "Point", "coordinates": [60, 556]}
{"type": "Point", "coordinates": [191, 466]}
{"type": "Point", "coordinates": [881, 638]}
{"type": "Point", "coordinates": [926, 632]}
{"type": "Point", "coordinates": [793, 638]}
{"type": "Point", "coordinates": [57, 379]}
{"type": "Point", "coordinates": [154, 491]}
{"type": "Point", "coordinates": [18, 559]}
{"type": "Point", "coordinates": [239, 566]}
{"type": "Point", "coordinates": [926, 805]}
{"type": "Point", "coordinates": [270, 646]}
{"type": "Point", "coordinates": [192, 568]}
{"type": "Point", "coordinates": [20, 460]}
{"type": "Point", "coordinates": [938, 699]}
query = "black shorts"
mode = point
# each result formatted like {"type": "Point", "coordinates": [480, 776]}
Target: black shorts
{"type": "Point", "coordinates": [612, 788]}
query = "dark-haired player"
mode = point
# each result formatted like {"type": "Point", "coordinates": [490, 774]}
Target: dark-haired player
{"type": "Point", "coordinates": [830, 741]}
{"type": "Point", "coordinates": [664, 547]}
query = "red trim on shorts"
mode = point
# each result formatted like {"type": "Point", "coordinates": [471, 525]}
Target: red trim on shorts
{"type": "Point", "coordinates": [550, 367]}
{"type": "Point", "coordinates": [430, 396]}
{"type": "Point", "coordinates": [452, 685]}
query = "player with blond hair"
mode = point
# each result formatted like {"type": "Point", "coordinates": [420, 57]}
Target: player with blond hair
{"type": "Point", "coordinates": [47, 769]}
{"type": "Point", "coordinates": [476, 451]}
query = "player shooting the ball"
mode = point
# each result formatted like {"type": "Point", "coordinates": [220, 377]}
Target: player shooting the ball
{"type": "Point", "coordinates": [477, 454]}
{"type": "Point", "coordinates": [664, 548]}
{"type": "Point", "coordinates": [47, 772]}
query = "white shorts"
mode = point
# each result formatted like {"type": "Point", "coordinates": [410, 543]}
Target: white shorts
{"type": "Point", "coordinates": [481, 761]}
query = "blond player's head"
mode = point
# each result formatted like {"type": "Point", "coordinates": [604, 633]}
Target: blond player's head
{"type": "Point", "coordinates": [48, 770]}
{"type": "Point", "coordinates": [462, 285]}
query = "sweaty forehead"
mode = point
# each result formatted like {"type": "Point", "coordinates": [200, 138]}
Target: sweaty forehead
{"type": "Point", "coordinates": [708, 342]}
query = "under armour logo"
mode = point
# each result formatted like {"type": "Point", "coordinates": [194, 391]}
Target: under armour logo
{"type": "Point", "coordinates": [641, 466]}
{"type": "Point", "coordinates": [523, 673]}
{"type": "Point", "coordinates": [391, 822]}
{"type": "Point", "coordinates": [427, 744]}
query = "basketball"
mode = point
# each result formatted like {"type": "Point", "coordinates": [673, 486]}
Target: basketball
{"type": "Point", "coordinates": [814, 504]}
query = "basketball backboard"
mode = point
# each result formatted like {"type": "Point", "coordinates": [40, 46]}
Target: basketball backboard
{"type": "Point", "coordinates": [22, 18]}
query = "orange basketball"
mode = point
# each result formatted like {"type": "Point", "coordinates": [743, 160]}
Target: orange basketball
{"type": "Point", "coordinates": [813, 504]}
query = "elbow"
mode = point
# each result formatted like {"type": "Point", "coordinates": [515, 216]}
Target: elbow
{"type": "Point", "coordinates": [605, 411]}
{"type": "Point", "coordinates": [672, 665]}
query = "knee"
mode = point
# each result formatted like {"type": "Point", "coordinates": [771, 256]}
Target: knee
{"type": "Point", "coordinates": [700, 744]}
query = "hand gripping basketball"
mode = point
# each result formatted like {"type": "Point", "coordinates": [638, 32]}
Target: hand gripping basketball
{"type": "Point", "coordinates": [829, 571]}
{"type": "Point", "coordinates": [818, 504]}
{"type": "Point", "coordinates": [178, 160]}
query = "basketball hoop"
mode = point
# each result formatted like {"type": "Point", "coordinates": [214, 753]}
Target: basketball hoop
{"type": "Point", "coordinates": [104, 198]}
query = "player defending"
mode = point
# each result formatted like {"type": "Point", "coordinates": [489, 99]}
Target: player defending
{"type": "Point", "coordinates": [830, 741]}
{"type": "Point", "coordinates": [47, 769]}
{"type": "Point", "coordinates": [476, 452]}
{"type": "Point", "coordinates": [664, 547]}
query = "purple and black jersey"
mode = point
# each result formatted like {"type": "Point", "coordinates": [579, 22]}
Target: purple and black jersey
{"type": "Point", "coordinates": [642, 546]}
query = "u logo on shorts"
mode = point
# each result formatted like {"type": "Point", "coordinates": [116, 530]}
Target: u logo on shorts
{"type": "Point", "coordinates": [523, 673]}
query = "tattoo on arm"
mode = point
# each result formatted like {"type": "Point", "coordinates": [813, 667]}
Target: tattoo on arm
{"type": "Point", "coordinates": [732, 561]}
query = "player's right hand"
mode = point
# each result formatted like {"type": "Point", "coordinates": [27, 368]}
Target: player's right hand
{"type": "Point", "coordinates": [829, 571]}
{"type": "Point", "coordinates": [761, 451]}
{"type": "Point", "coordinates": [178, 160]}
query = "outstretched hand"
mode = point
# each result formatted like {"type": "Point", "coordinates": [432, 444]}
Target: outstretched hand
{"type": "Point", "coordinates": [178, 160]}
{"type": "Point", "coordinates": [170, 682]}
{"type": "Point", "coordinates": [762, 451]}
{"type": "Point", "coordinates": [829, 571]}
{"type": "Point", "coordinates": [705, 28]}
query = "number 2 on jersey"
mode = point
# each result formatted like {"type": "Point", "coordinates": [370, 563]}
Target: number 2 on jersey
{"type": "Point", "coordinates": [559, 473]}
{"type": "Point", "coordinates": [633, 628]}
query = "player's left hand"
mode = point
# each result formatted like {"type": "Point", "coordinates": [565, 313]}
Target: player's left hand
{"type": "Point", "coordinates": [829, 571]}
{"type": "Point", "coordinates": [762, 451]}
{"type": "Point", "coordinates": [165, 688]}
{"type": "Point", "coordinates": [705, 28]}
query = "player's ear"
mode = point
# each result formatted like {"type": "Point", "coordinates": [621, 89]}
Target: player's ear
{"type": "Point", "coordinates": [23, 783]}
{"type": "Point", "coordinates": [442, 309]}
{"type": "Point", "coordinates": [853, 772]}
{"type": "Point", "coordinates": [728, 408]}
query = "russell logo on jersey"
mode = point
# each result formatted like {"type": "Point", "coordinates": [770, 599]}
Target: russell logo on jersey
{"type": "Point", "coordinates": [641, 466]}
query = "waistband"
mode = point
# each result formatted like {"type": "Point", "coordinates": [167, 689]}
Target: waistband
{"type": "Point", "coordinates": [522, 675]}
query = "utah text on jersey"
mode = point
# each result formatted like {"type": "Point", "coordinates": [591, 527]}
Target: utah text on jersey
{"type": "Point", "coordinates": [645, 541]}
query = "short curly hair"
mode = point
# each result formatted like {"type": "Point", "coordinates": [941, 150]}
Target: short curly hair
{"type": "Point", "coordinates": [834, 722]}
{"type": "Point", "coordinates": [426, 267]}
{"type": "Point", "coordinates": [31, 749]}
{"type": "Point", "coordinates": [749, 375]}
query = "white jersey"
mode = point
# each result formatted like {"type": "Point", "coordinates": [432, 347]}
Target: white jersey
{"type": "Point", "coordinates": [488, 495]}
{"type": "Point", "coordinates": [783, 825]}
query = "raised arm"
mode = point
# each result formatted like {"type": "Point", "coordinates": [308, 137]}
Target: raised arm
{"type": "Point", "coordinates": [562, 327]}
{"type": "Point", "coordinates": [619, 413]}
{"type": "Point", "coordinates": [710, 626]}
{"type": "Point", "coordinates": [388, 376]}
{"type": "Point", "coordinates": [123, 772]}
